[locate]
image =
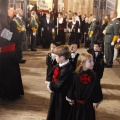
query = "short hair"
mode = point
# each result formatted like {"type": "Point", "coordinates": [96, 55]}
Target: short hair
{"type": "Point", "coordinates": [63, 50]}
{"type": "Point", "coordinates": [73, 45]}
{"type": "Point", "coordinates": [33, 12]}
{"type": "Point", "coordinates": [75, 13]}
{"type": "Point", "coordinates": [18, 10]}
{"type": "Point", "coordinates": [97, 43]}
{"type": "Point", "coordinates": [60, 13]}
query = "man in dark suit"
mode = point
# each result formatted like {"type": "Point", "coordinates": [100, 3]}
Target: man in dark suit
{"type": "Point", "coordinates": [47, 28]}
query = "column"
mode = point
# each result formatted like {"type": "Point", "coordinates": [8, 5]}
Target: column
{"type": "Point", "coordinates": [118, 8]}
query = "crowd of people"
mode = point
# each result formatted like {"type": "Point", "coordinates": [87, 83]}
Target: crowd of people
{"type": "Point", "coordinates": [72, 78]}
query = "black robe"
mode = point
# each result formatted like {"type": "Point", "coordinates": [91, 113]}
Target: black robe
{"type": "Point", "coordinates": [59, 107]}
{"type": "Point", "coordinates": [84, 91]}
{"type": "Point", "coordinates": [50, 63]}
{"type": "Point", "coordinates": [47, 33]}
{"type": "Point", "coordinates": [98, 64]}
{"type": "Point", "coordinates": [10, 77]}
{"type": "Point", "coordinates": [60, 37]}
{"type": "Point", "coordinates": [74, 33]}
{"type": "Point", "coordinates": [73, 61]}
{"type": "Point", "coordinates": [86, 37]}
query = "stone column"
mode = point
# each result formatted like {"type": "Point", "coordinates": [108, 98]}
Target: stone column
{"type": "Point", "coordinates": [118, 8]}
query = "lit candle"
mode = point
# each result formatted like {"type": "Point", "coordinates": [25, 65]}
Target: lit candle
{"type": "Point", "coordinates": [57, 26]}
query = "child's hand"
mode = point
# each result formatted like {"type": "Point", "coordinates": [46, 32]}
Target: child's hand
{"type": "Point", "coordinates": [71, 103]}
{"type": "Point", "coordinates": [95, 105]}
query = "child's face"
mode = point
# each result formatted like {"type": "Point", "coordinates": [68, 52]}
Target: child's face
{"type": "Point", "coordinates": [59, 59]}
{"type": "Point", "coordinates": [96, 48]}
{"type": "Point", "coordinates": [89, 63]}
{"type": "Point", "coordinates": [74, 48]}
{"type": "Point", "coordinates": [53, 48]}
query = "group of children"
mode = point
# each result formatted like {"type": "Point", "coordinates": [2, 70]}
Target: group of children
{"type": "Point", "coordinates": [74, 82]}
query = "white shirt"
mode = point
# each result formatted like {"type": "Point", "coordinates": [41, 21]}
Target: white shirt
{"type": "Point", "coordinates": [53, 56]}
{"type": "Point", "coordinates": [48, 20]}
{"type": "Point", "coordinates": [78, 19]}
{"type": "Point", "coordinates": [19, 17]}
{"type": "Point", "coordinates": [73, 55]}
{"type": "Point", "coordinates": [60, 20]}
{"type": "Point", "coordinates": [74, 22]}
{"type": "Point", "coordinates": [62, 64]}
{"type": "Point", "coordinates": [113, 19]}
{"type": "Point", "coordinates": [96, 54]}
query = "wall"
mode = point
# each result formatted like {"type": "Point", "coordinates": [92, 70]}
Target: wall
{"type": "Point", "coordinates": [82, 6]}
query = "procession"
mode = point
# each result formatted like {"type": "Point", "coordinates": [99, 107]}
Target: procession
{"type": "Point", "coordinates": [57, 64]}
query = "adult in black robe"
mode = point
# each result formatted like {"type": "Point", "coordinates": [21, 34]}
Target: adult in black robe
{"type": "Point", "coordinates": [60, 30]}
{"type": "Point", "coordinates": [59, 107]}
{"type": "Point", "coordinates": [73, 29]}
{"type": "Point", "coordinates": [47, 27]}
{"type": "Point", "coordinates": [86, 30]}
{"type": "Point", "coordinates": [82, 21]}
{"type": "Point", "coordinates": [84, 92]}
{"type": "Point", "coordinates": [11, 86]}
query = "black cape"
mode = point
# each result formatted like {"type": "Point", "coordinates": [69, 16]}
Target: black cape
{"type": "Point", "coordinates": [59, 107]}
{"type": "Point", "coordinates": [84, 88]}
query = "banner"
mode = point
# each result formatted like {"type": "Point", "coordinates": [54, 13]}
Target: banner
{"type": "Point", "coordinates": [42, 6]}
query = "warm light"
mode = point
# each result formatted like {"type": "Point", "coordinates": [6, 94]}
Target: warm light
{"type": "Point", "coordinates": [47, 0]}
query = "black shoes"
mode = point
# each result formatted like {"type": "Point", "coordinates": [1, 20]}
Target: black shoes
{"type": "Point", "coordinates": [33, 50]}
{"type": "Point", "coordinates": [22, 61]}
{"type": "Point", "coordinates": [107, 66]}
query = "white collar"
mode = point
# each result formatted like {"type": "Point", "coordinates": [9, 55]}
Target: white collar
{"type": "Point", "coordinates": [53, 56]}
{"type": "Point", "coordinates": [113, 19]}
{"type": "Point", "coordinates": [62, 64]}
{"type": "Point", "coordinates": [19, 16]}
{"type": "Point", "coordinates": [73, 21]}
{"type": "Point", "coordinates": [94, 19]}
{"type": "Point", "coordinates": [60, 20]}
{"type": "Point", "coordinates": [33, 16]}
{"type": "Point", "coordinates": [73, 54]}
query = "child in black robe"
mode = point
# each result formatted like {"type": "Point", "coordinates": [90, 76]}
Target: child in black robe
{"type": "Point", "coordinates": [98, 58]}
{"type": "Point", "coordinates": [85, 93]}
{"type": "Point", "coordinates": [50, 58]}
{"type": "Point", "coordinates": [60, 82]}
{"type": "Point", "coordinates": [74, 55]}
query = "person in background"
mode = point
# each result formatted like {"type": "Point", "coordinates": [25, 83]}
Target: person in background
{"type": "Point", "coordinates": [74, 55]}
{"type": "Point", "coordinates": [50, 58]}
{"type": "Point", "coordinates": [85, 93]}
{"type": "Point", "coordinates": [11, 87]}
{"type": "Point", "coordinates": [82, 21]}
{"type": "Point", "coordinates": [86, 30]}
{"type": "Point", "coordinates": [34, 28]}
{"type": "Point", "coordinates": [94, 30]}
{"type": "Point", "coordinates": [98, 58]}
{"type": "Point", "coordinates": [73, 29]}
{"type": "Point", "coordinates": [60, 30]}
{"type": "Point", "coordinates": [21, 28]}
{"type": "Point", "coordinates": [111, 36]}
{"type": "Point", "coordinates": [47, 28]}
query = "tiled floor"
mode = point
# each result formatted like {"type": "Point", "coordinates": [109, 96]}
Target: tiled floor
{"type": "Point", "coordinates": [34, 104]}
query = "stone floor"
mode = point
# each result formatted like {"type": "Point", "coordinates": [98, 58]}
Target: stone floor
{"type": "Point", "coordinates": [34, 104]}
